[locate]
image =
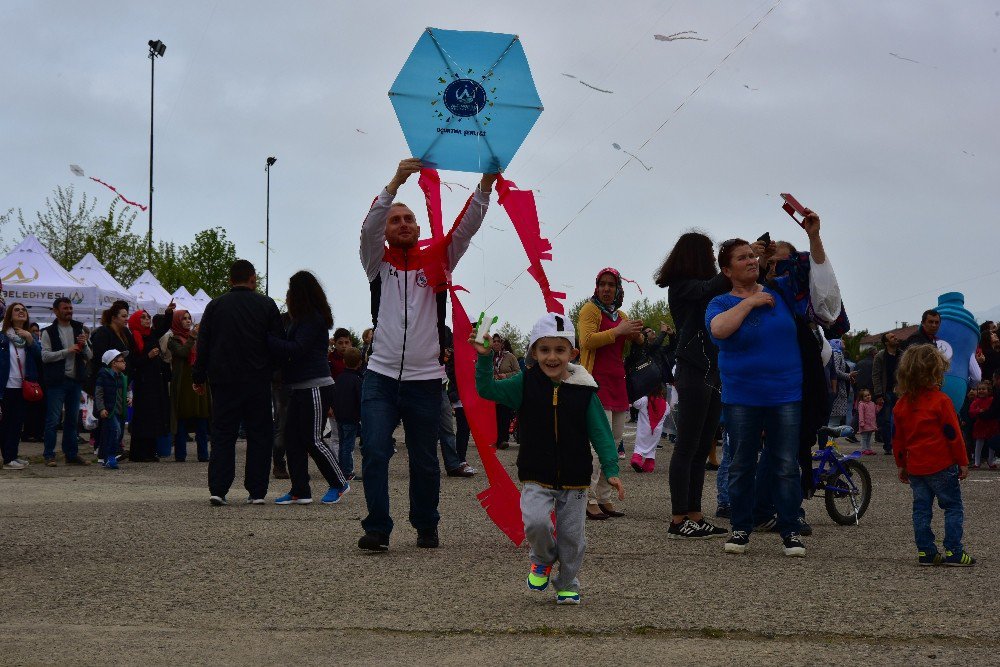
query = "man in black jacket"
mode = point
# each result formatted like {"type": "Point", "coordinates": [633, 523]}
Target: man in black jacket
{"type": "Point", "coordinates": [233, 357]}
{"type": "Point", "coordinates": [930, 322]}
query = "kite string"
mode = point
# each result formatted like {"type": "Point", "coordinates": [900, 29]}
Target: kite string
{"type": "Point", "coordinates": [644, 144]}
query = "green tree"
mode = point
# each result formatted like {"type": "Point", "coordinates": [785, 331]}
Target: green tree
{"type": "Point", "coordinates": [652, 313]}
{"type": "Point", "coordinates": [113, 243]}
{"type": "Point", "coordinates": [852, 344]}
{"type": "Point", "coordinates": [169, 267]}
{"type": "Point", "coordinates": [518, 339]}
{"type": "Point", "coordinates": [206, 261]}
{"type": "Point", "coordinates": [64, 225]}
{"type": "Point", "coordinates": [5, 220]}
{"type": "Point", "coordinates": [574, 312]}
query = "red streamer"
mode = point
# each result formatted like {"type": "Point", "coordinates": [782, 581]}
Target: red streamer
{"type": "Point", "coordinates": [501, 499]}
{"type": "Point", "coordinates": [520, 206]}
{"type": "Point", "coordinates": [112, 188]}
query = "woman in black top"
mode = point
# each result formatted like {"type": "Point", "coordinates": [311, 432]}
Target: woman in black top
{"type": "Point", "coordinates": [305, 374]}
{"type": "Point", "coordinates": [692, 280]}
{"type": "Point", "coordinates": [150, 387]}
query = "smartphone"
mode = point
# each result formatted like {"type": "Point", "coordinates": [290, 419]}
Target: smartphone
{"type": "Point", "coordinates": [792, 206]}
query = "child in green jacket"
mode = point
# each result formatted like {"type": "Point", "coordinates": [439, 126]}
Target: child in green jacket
{"type": "Point", "coordinates": [559, 416]}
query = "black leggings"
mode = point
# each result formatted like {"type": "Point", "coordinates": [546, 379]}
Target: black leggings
{"type": "Point", "coordinates": [306, 416]}
{"type": "Point", "coordinates": [699, 405]}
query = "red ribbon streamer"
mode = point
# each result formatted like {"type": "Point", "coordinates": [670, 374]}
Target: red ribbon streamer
{"type": "Point", "coordinates": [520, 206]}
{"type": "Point", "coordinates": [500, 499]}
{"type": "Point", "coordinates": [112, 188]}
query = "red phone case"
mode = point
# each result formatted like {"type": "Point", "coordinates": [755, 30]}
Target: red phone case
{"type": "Point", "coordinates": [792, 206]}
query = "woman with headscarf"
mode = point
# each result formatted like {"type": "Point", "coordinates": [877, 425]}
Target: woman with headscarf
{"type": "Point", "coordinates": [150, 400]}
{"type": "Point", "coordinates": [190, 411]}
{"type": "Point", "coordinates": [603, 329]}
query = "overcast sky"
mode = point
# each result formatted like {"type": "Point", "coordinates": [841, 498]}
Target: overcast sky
{"type": "Point", "coordinates": [900, 158]}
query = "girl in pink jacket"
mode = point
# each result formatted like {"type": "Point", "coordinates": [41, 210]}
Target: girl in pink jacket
{"type": "Point", "coordinates": [866, 421]}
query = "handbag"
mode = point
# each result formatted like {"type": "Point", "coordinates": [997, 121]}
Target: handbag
{"type": "Point", "coordinates": [32, 391]}
{"type": "Point", "coordinates": [642, 375]}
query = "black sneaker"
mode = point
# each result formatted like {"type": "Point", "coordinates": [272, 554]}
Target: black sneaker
{"type": "Point", "coordinates": [428, 539]}
{"type": "Point", "coordinates": [738, 542]}
{"type": "Point", "coordinates": [373, 541]}
{"type": "Point", "coordinates": [687, 530]}
{"type": "Point", "coordinates": [767, 526]}
{"type": "Point", "coordinates": [958, 559]}
{"type": "Point", "coordinates": [794, 545]}
{"type": "Point", "coordinates": [712, 529]}
{"type": "Point", "coordinates": [804, 528]}
{"type": "Point", "coordinates": [933, 558]}
{"type": "Point", "coordinates": [724, 512]}
{"type": "Point", "coordinates": [217, 501]}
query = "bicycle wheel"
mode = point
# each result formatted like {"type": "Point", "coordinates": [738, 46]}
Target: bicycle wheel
{"type": "Point", "coordinates": [839, 503]}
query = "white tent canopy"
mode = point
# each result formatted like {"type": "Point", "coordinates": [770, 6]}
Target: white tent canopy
{"type": "Point", "coordinates": [90, 271]}
{"type": "Point", "coordinates": [31, 276]}
{"type": "Point", "coordinates": [184, 301]}
{"type": "Point", "coordinates": [150, 293]}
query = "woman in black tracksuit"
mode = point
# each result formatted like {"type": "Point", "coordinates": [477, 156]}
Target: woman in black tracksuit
{"type": "Point", "coordinates": [692, 280]}
{"type": "Point", "coordinates": [305, 374]}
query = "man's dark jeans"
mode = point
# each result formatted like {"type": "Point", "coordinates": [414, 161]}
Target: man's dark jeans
{"type": "Point", "coordinates": [233, 403]}
{"type": "Point", "coordinates": [384, 401]}
{"type": "Point", "coordinates": [884, 421]}
{"type": "Point", "coordinates": [62, 400]}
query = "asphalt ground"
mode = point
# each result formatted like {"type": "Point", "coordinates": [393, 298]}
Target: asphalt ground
{"type": "Point", "coordinates": [135, 567]}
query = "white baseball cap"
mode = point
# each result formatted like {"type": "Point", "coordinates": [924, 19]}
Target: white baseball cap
{"type": "Point", "coordinates": [111, 355]}
{"type": "Point", "coordinates": [553, 325]}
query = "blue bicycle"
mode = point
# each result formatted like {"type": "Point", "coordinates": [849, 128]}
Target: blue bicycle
{"type": "Point", "coordinates": [844, 479]}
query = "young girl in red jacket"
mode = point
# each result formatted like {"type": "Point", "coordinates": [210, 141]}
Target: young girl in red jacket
{"type": "Point", "coordinates": [930, 453]}
{"type": "Point", "coordinates": [983, 428]}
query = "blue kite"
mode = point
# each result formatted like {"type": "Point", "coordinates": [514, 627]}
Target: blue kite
{"type": "Point", "coordinates": [465, 100]}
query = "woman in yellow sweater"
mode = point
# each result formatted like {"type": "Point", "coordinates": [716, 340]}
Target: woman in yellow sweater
{"type": "Point", "coordinates": [603, 329]}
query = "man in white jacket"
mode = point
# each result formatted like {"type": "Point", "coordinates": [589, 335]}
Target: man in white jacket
{"type": "Point", "coordinates": [403, 380]}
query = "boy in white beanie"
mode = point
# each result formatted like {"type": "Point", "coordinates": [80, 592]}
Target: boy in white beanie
{"type": "Point", "coordinates": [560, 416]}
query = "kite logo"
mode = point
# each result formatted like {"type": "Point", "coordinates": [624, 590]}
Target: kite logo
{"type": "Point", "coordinates": [464, 98]}
{"type": "Point", "coordinates": [17, 277]}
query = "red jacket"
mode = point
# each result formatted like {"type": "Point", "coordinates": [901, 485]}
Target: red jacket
{"type": "Point", "coordinates": [927, 438]}
{"type": "Point", "coordinates": [983, 428]}
{"type": "Point", "coordinates": [336, 361]}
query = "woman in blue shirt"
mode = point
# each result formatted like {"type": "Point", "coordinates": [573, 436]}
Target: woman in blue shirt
{"type": "Point", "coordinates": [761, 370]}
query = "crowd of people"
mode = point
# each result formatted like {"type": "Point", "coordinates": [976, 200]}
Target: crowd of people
{"type": "Point", "coordinates": [755, 362]}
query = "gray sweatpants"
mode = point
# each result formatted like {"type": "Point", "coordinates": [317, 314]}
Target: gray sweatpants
{"type": "Point", "coordinates": [570, 506]}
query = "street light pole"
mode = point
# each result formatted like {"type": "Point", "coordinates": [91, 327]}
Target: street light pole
{"type": "Point", "coordinates": [156, 49]}
{"type": "Point", "coordinates": [267, 228]}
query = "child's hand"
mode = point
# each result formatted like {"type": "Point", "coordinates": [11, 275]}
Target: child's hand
{"type": "Point", "coordinates": [476, 343]}
{"type": "Point", "coordinates": [104, 414]}
{"type": "Point", "coordinates": [963, 472]}
{"type": "Point", "coordinates": [616, 484]}
{"type": "Point", "coordinates": [903, 477]}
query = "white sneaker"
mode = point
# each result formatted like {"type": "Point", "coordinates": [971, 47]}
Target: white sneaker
{"type": "Point", "coordinates": [14, 465]}
{"type": "Point", "coordinates": [24, 462]}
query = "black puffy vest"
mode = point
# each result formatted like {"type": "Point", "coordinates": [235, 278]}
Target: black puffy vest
{"type": "Point", "coordinates": [554, 443]}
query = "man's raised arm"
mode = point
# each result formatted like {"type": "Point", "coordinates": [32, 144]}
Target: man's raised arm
{"type": "Point", "coordinates": [373, 228]}
{"type": "Point", "coordinates": [472, 220]}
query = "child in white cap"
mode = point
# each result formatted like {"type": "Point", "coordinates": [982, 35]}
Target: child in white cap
{"type": "Point", "coordinates": [560, 416]}
{"type": "Point", "coordinates": [110, 400]}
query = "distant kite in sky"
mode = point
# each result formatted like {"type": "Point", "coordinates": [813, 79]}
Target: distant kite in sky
{"type": "Point", "coordinates": [635, 157]}
{"type": "Point", "coordinates": [360, 131]}
{"type": "Point", "coordinates": [909, 60]}
{"type": "Point", "coordinates": [686, 34]}
{"type": "Point", "coordinates": [78, 171]}
{"type": "Point", "coordinates": [747, 86]}
{"type": "Point", "coordinates": [600, 90]}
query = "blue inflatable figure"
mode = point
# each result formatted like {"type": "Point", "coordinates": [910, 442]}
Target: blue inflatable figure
{"type": "Point", "coordinates": [957, 340]}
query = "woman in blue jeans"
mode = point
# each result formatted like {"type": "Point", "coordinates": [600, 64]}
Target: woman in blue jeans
{"type": "Point", "coordinates": [761, 371]}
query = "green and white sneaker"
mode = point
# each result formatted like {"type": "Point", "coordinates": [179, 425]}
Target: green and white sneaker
{"type": "Point", "coordinates": [538, 577]}
{"type": "Point", "coordinates": [567, 597]}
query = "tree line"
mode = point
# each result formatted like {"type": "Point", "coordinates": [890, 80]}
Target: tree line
{"type": "Point", "coordinates": [70, 227]}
